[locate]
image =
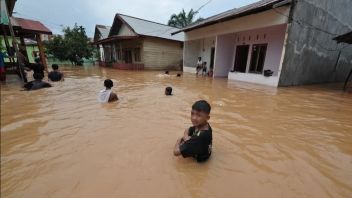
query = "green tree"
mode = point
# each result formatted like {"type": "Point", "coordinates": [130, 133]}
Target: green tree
{"type": "Point", "coordinates": [183, 19]}
{"type": "Point", "coordinates": [73, 46]}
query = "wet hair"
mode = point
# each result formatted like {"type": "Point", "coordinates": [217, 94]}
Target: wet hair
{"type": "Point", "coordinates": [55, 66]}
{"type": "Point", "coordinates": [202, 106]}
{"type": "Point", "coordinates": [178, 75]}
{"type": "Point", "coordinates": [199, 58]}
{"type": "Point", "coordinates": [108, 83]}
{"type": "Point", "coordinates": [166, 72]}
{"type": "Point", "coordinates": [38, 76]}
{"type": "Point", "coordinates": [168, 91]}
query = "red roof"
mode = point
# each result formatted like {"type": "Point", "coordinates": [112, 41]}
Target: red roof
{"type": "Point", "coordinates": [30, 25]}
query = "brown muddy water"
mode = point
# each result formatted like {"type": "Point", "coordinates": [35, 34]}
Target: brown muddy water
{"type": "Point", "coordinates": [267, 142]}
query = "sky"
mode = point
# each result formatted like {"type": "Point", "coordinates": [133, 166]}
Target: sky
{"type": "Point", "coordinates": [58, 14]}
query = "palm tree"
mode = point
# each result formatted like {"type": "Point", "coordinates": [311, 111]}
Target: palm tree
{"type": "Point", "coordinates": [182, 19]}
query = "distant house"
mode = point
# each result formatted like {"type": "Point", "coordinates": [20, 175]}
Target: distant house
{"type": "Point", "coordinates": [134, 43]}
{"type": "Point", "coordinates": [273, 42]}
{"type": "Point", "coordinates": [101, 32]}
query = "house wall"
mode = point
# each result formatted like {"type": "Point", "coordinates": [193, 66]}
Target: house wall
{"type": "Point", "coordinates": [274, 36]}
{"type": "Point", "coordinates": [224, 55]}
{"type": "Point", "coordinates": [311, 54]}
{"type": "Point", "coordinates": [125, 31]}
{"type": "Point", "coordinates": [162, 54]}
{"type": "Point", "coordinates": [198, 48]}
{"type": "Point", "coordinates": [259, 20]}
{"type": "Point", "coordinates": [191, 53]}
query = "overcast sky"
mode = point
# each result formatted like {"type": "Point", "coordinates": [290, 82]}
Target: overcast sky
{"type": "Point", "coordinates": [55, 14]}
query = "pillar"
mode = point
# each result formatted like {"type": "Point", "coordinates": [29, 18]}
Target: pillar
{"type": "Point", "coordinates": [41, 52]}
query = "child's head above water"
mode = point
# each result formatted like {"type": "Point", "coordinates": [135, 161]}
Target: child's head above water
{"type": "Point", "coordinates": [168, 91]}
{"type": "Point", "coordinates": [55, 66]}
{"type": "Point", "coordinates": [108, 83]}
{"type": "Point", "coordinates": [200, 113]}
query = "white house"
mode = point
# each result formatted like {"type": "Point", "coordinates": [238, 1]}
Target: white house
{"type": "Point", "coordinates": [260, 43]}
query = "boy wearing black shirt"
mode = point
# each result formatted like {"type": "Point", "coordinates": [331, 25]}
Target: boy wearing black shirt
{"type": "Point", "coordinates": [55, 75]}
{"type": "Point", "coordinates": [197, 140]}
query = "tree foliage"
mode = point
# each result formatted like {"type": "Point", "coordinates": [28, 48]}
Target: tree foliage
{"type": "Point", "coordinates": [72, 46]}
{"type": "Point", "coordinates": [183, 19]}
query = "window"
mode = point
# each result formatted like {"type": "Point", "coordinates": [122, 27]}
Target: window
{"type": "Point", "coordinates": [137, 55]}
{"type": "Point", "coordinates": [258, 58]}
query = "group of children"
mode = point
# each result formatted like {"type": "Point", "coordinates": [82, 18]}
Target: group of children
{"type": "Point", "coordinates": [38, 75]}
{"type": "Point", "coordinates": [196, 141]}
{"type": "Point", "coordinates": [202, 67]}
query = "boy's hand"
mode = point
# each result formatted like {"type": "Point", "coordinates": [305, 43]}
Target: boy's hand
{"type": "Point", "coordinates": [186, 136]}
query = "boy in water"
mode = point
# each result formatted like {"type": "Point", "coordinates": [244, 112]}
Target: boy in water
{"type": "Point", "coordinates": [197, 140]}
{"type": "Point", "coordinates": [37, 83]}
{"type": "Point", "coordinates": [168, 91]}
{"type": "Point", "coordinates": [55, 75]}
{"type": "Point", "coordinates": [107, 95]}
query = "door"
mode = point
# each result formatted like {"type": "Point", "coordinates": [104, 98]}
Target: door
{"type": "Point", "coordinates": [241, 58]}
{"type": "Point", "coordinates": [212, 55]}
{"type": "Point", "coordinates": [127, 56]}
{"type": "Point", "coordinates": [258, 58]}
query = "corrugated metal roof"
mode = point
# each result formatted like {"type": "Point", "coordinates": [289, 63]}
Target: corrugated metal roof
{"type": "Point", "coordinates": [104, 30]}
{"type": "Point", "coordinates": [150, 28]}
{"type": "Point", "coordinates": [30, 25]}
{"type": "Point", "coordinates": [234, 13]}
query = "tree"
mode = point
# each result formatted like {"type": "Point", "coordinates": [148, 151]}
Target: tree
{"type": "Point", "coordinates": [73, 46]}
{"type": "Point", "coordinates": [183, 19]}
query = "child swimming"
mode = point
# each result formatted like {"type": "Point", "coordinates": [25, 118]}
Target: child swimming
{"type": "Point", "coordinates": [106, 95]}
{"type": "Point", "coordinates": [197, 140]}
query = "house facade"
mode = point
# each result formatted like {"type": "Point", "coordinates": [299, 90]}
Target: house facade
{"type": "Point", "coordinates": [136, 44]}
{"type": "Point", "coordinates": [101, 32]}
{"type": "Point", "coordinates": [272, 42]}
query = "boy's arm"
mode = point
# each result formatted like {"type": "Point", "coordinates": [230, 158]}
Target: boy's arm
{"type": "Point", "coordinates": [177, 151]}
{"type": "Point", "coordinates": [186, 136]}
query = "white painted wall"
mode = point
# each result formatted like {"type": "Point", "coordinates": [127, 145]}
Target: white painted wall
{"type": "Point", "coordinates": [223, 55]}
{"type": "Point", "coordinates": [190, 53]}
{"type": "Point", "coordinates": [198, 48]}
{"type": "Point", "coordinates": [262, 19]}
{"type": "Point", "coordinates": [254, 78]}
{"type": "Point", "coordinates": [274, 36]}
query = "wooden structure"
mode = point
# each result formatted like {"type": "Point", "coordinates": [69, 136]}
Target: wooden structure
{"type": "Point", "coordinates": [21, 28]}
{"type": "Point", "coordinates": [137, 44]}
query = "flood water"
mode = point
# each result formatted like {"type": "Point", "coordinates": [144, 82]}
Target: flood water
{"type": "Point", "coordinates": [267, 142]}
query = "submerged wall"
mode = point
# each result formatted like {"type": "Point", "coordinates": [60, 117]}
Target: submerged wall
{"type": "Point", "coordinates": [311, 53]}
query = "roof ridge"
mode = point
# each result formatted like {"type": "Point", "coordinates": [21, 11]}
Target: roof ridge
{"type": "Point", "coordinates": [146, 20]}
{"type": "Point", "coordinates": [99, 25]}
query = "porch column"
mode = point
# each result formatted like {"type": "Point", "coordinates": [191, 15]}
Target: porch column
{"type": "Point", "coordinates": [23, 44]}
{"type": "Point", "coordinates": [41, 52]}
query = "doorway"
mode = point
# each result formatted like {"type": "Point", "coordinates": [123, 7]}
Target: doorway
{"type": "Point", "coordinates": [241, 58]}
{"type": "Point", "coordinates": [212, 55]}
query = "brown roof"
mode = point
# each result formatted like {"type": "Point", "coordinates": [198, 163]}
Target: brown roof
{"type": "Point", "coordinates": [253, 8]}
{"type": "Point", "coordinates": [30, 26]}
